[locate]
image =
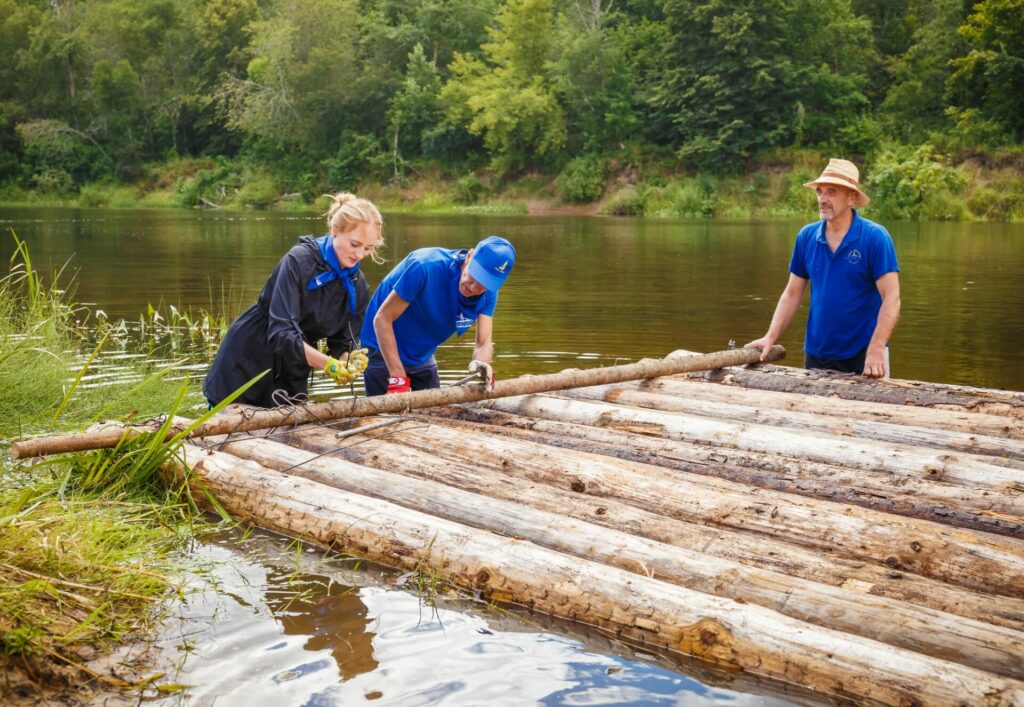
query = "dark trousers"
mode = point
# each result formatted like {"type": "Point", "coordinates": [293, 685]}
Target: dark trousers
{"type": "Point", "coordinates": [375, 377]}
{"type": "Point", "coordinates": [854, 364]}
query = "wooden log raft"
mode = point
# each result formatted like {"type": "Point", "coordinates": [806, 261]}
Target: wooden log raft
{"type": "Point", "coordinates": [420, 460]}
{"type": "Point", "coordinates": [829, 384]}
{"type": "Point", "coordinates": [999, 426]}
{"type": "Point", "coordinates": [956, 505]}
{"type": "Point", "coordinates": [966, 469]}
{"type": "Point", "coordinates": [489, 506]}
{"type": "Point", "coordinates": [249, 419]}
{"type": "Point", "coordinates": [999, 450]}
{"type": "Point", "coordinates": [739, 636]}
{"type": "Point", "coordinates": [985, 562]}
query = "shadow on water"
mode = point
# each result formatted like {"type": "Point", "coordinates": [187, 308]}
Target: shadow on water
{"type": "Point", "coordinates": [264, 624]}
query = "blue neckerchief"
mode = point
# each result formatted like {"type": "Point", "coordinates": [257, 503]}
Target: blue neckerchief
{"type": "Point", "coordinates": [336, 272]}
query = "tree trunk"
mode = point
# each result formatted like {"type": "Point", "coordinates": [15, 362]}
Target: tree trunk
{"type": "Point", "coordinates": [897, 392]}
{"type": "Point", "coordinates": [960, 506]}
{"type": "Point", "coordinates": [967, 422]}
{"type": "Point", "coordinates": [1002, 451]}
{"type": "Point", "coordinates": [933, 633]}
{"type": "Point", "coordinates": [257, 419]}
{"type": "Point", "coordinates": [721, 631]}
{"type": "Point", "coordinates": [961, 469]}
{"type": "Point", "coordinates": [985, 562]}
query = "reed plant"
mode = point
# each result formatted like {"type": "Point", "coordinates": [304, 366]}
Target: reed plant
{"type": "Point", "coordinates": [89, 543]}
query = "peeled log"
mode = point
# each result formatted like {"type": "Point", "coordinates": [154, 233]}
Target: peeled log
{"type": "Point", "coordinates": [894, 392]}
{"type": "Point", "coordinates": [258, 419]}
{"type": "Point", "coordinates": [933, 633]}
{"type": "Point", "coordinates": [960, 506]}
{"type": "Point", "coordinates": [720, 631]}
{"type": "Point", "coordinates": [981, 561]}
{"type": "Point", "coordinates": [999, 450]}
{"type": "Point", "coordinates": [745, 548]}
{"type": "Point", "coordinates": [966, 469]}
{"type": "Point", "coordinates": [979, 423]}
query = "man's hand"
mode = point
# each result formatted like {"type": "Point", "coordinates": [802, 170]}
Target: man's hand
{"type": "Point", "coordinates": [338, 371]}
{"type": "Point", "coordinates": [874, 363]}
{"type": "Point", "coordinates": [486, 373]}
{"type": "Point", "coordinates": [765, 344]}
{"type": "Point", "coordinates": [398, 384]}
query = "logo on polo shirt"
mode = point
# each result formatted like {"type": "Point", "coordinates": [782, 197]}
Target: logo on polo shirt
{"type": "Point", "coordinates": [853, 257]}
{"type": "Point", "coordinates": [462, 322]}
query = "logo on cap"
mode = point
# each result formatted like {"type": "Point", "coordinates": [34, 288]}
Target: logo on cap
{"type": "Point", "coordinates": [501, 268]}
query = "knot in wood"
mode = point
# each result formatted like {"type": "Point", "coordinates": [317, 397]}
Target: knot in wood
{"type": "Point", "coordinates": [482, 578]}
{"type": "Point", "coordinates": [893, 561]}
{"type": "Point", "coordinates": [578, 486]}
{"type": "Point", "coordinates": [915, 546]}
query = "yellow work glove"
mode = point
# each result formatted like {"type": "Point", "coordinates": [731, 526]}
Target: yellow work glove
{"type": "Point", "coordinates": [357, 362]}
{"type": "Point", "coordinates": [338, 371]}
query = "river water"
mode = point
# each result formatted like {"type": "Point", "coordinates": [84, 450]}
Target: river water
{"type": "Point", "coordinates": [270, 623]}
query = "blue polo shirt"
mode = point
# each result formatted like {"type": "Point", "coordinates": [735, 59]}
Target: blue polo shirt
{"type": "Point", "coordinates": [428, 279]}
{"type": "Point", "coordinates": [844, 297]}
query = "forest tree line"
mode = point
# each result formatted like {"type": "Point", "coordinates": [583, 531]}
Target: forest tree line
{"type": "Point", "coordinates": [334, 92]}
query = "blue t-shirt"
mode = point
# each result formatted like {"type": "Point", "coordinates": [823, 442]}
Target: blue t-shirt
{"type": "Point", "coordinates": [844, 297]}
{"type": "Point", "coordinates": [428, 279]}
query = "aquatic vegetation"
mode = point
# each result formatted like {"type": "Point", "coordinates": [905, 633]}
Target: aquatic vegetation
{"type": "Point", "coordinates": [89, 543]}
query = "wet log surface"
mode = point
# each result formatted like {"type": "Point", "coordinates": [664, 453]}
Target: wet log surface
{"type": "Point", "coordinates": [513, 510]}
{"type": "Point", "coordinates": [893, 392]}
{"type": "Point", "coordinates": [663, 615]}
{"type": "Point", "coordinates": [994, 511]}
{"type": "Point", "coordinates": [886, 515]}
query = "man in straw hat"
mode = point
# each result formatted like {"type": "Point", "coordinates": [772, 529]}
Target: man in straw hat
{"type": "Point", "coordinates": [855, 288]}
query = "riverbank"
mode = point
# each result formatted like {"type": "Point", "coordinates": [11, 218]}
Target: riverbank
{"type": "Point", "coordinates": [905, 184]}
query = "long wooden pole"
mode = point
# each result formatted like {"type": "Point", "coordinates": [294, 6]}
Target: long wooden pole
{"type": "Point", "coordinates": [248, 420]}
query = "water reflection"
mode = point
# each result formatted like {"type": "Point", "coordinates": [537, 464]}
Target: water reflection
{"type": "Point", "coordinates": [264, 624]}
{"type": "Point", "coordinates": [330, 614]}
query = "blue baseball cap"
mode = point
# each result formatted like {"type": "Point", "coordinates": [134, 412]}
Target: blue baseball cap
{"type": "Point", "coordinates": [492, 261]}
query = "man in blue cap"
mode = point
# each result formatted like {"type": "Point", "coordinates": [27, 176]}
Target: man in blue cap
{"type": "Point", "coordinates": [432, 294]}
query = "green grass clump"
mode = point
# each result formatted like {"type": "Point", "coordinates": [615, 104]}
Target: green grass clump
{"type": "Point", "coordinates": [90, 542]}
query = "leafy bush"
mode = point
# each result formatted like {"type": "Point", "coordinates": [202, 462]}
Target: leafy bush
{"type": "Point", "coordinates": [695, 198]}
{"type": "Point", "coordinates": [1002, 201]}
{"type": "Point", "coordinates": [913, 183]}
{"type": "Point", "coordinates": [583, 179]}
{"type": "Point", "coordinates": [468, 190]}
{"type": "Point", "coordinates": [628, 202]}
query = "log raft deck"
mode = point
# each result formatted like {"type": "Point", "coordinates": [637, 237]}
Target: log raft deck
{"type": "Point", "coordinates": [860, 538]}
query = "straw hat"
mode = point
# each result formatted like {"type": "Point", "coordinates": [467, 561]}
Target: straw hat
{"type": "Point", "coordinates": [842, 173]}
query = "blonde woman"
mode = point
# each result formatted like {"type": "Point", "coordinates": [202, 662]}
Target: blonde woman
{"type": "Point", "coordinates": [315, 292]}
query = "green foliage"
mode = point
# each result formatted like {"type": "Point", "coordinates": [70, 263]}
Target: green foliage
{"type": "Point", "coordinates": [508, 99]}
{"type": "Point", "coordinates": [468, 189]}
{"type": "Point", "coordinates": [342, 92]}
{"type": "Point", "coordinates": [583, 179]}
{"type": "Point", "coordinates": [626, 202]}
{"type": "Point", "coordinates": [990, 77]}
{"type": "Point", "coordinates": [1002, 200]}
{"type": "Point", "coordinates": [914, 183]}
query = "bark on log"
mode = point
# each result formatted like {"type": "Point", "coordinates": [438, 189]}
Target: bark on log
{"type": "Point", "coordinates": [895, 392]}
{"type": "Point", "coordinates": [950, 504]}
{"type": "Point", "coordinates": [981, 561]}
{"type": "Point", "coordinates": [1000, 451]}
{"type": "Point", "coordinates": [935, 418]}
{"type": "Point", "coordinates": [915, 462]}
{"type": "Point", "coordinates": [720, 631]}
{"type": "Point", "coordinates": [749, 549]}
{"type": "Point", "coordinates": [915, 628]}
{"type": "Point", "coordinates": [255, 419]}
